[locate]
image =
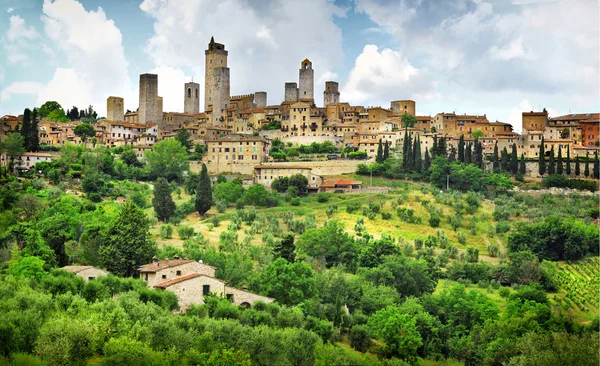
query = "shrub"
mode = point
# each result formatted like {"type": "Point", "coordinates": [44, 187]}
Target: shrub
{"type": "Point", "coordinates": [502, 227]}
{"type": "Point", "coordinates": [166, 231]}
{"type": "Point", "coordinates": [360, 337]}
{"type": "Point", "coordinates": [472, 255]}
{"type": "Point", "coordinates": [455, 222]}
{"type": "Point", "coordinates": [221, 205]}
{"type": "Point", "coordinates": [215, 221]}
{"type": "Point", "coordinates": [352, 207]}
{"type": "Point", "coordinates": [323, 196]}
{"type": "Point", "coordinates": [493, 250]}
{"type": "Point", "coordinates": [462, 238]}
{"type": "Point", "coordinates": [504, 292]}
{"type": "Point", "coordinates": [419, 243]}
{"type": "Point", "coordinates": [185, 232]}
{"type": "Point", "coordinates": [295, 201]}
{"type": "Point", "coordinates": [386, 215]}
{"type": "Point", "coordinates": [434, 220]}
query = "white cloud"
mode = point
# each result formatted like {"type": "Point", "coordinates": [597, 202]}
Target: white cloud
{"type": "Point", "coordinates": [171, 87]}
{"type": "Point", "coordinates": [10, 10]}
{"type": "Point", "coordinates": [266, 40]}
{"type": "Point", "coordinates": [512, 50]}
{"type": "Point", "coordinates": [19, 40]}
{"type": "Point", "coordinates": [326, 76]}
{"type": "Point", "coordinates": [18, 29]}
{"type": "Point", "coordinates": [97, 67]}
{"type": "Point", "coordinates": [19, 87]}
{"type": "Point", "coordinates": [381, 76]}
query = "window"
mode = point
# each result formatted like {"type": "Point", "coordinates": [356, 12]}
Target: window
{"type": "Point", "coordinates": [189, 92]}
{"type": "Point", "coordinates": [205, 290]}
{"type": "Point", "coordinates": [91, 278]}
{"type": "Point", "coordinates": [164, 277]}
{"type": "Point", "coordinates": [230, 297]}
{"type": "Point", "coordinates": [178, 273]}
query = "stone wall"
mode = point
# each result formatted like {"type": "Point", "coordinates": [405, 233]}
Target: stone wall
{"type": "Point", "coordinates": [170, 273]}
{"type": "Point", "coordinates": [244, 297]}
{"type": "Point", "coordinates": [190, 291]}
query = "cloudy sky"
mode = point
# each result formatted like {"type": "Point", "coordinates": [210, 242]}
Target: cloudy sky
{"type": "Point", "coordinates": [469, 56]}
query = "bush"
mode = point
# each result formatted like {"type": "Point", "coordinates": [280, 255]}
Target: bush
{"type": "Point", "coordinates": [462, 238]}
{"type": "Point", "coordinates": [493, 250]}
{"type": "Point", "coordinates": [504, 292]}
{"type": "Point", "coordinates": [360, 337]}
{"type": "Point", "coordinates": [352, 207]}
{"type": "Point", "coordinates": [455, 222]}
{"type": "Point", "coordinates": [386, 215]}
{"type": "Point", "coordinates": [166, 231]}
{"type": "Point", "coordinates": [323, 196]}
{"type": "Point", "coordinates": [434, 220]}
{"type": "Point", "coordinates": [185, 232]}
{"type": "Point", "coordinates": [221, 205]}
{"type": "Point", "coordinates": [502, 227]}
{"type": "Point", "coordinates": [295, 201]}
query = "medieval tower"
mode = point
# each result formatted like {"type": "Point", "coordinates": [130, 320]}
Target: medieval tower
{"type": "Point", "coordinates": [149, 112]}
{"type": "Point", "coordinates": [400, 107]}
{"type": "Point", "coordinates": [331, 93]}
{"type": "Point", "coordinates": [191, 97]}
{"type": "Point", "coordinates": [307, 77]}
{"type": "Point", "coordinates": [291, 92]}
{"type": "Point", "coordinates": [115, 109]}
{"type": "Point", "coordinates": [216, 80]}
{"type": "Point", "coordinates": [260, 99]}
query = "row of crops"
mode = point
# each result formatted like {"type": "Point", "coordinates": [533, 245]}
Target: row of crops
{"type": "Point", "coordinates": [580, 284]}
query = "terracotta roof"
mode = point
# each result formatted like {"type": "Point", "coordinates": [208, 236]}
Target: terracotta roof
{"type": "Point", "coordinates": [76, 269]}
{"type": "Point", "coordinates": [177, 280]}
{"type": "Point", "coordinates": [167, 263]}
{"type": "Point", "coordinates": [578, 116]}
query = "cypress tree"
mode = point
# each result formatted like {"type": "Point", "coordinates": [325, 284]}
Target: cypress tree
{"type": "Point", "coordinates": [522, 166]}
{"type": "Point", "coordinates": [495, 159]}
{"type": "Point", "coordinates": [418, 158]}
{"type": "Point", "coordinates": [442, 147]}
{"type": "Point", "coordinates": [163, 203]}
{"type": "Point", "coordinates": [468, 153]}
{"type": "Point", "coordinates": [577, 167]}
{"type": "Point", "coordinates": [386, 151]}
{"type": "Point", "coordinates": [514, 160]}
{"type": "Point", "coordinates": [596, 166]}
{"type": "Point", "coordinates": [505, 160]}
{"type": "Point", "coordinates": [427, 159]}
{"type": "Point", "coordinates": [478, 153]}
{"type": "Point", "coordinates": [559, 161]}
{"type": "Point", "coordinates": [34, 138]}
{"type": "Point", "coordinates": [414, 154]}
{"type": "Point", "coordinates": [542, 159]}
{"type": "Point", "coordinates": [204, 192]}
{"type": "Point", "coordinates": [26, 128]}
{"type": "Point", "coordinates": [461, 149]}
{"type": "Point", "coordinates": [379, 157]}
{"type": "Point", "coordinates": [586, 170]}
{"type": "Point", "coordinates": [452, 155]}
{"type": "Point", "coordinates": [568, 161]}
{"type": "Point", "coordinates": [409, 154]}
{"type": "Point", "coordinates": [551, 164]}
{"type": "Point", "coordinates": [434, 148]}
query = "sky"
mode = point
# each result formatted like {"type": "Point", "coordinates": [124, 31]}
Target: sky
{"type": "Point", "coordinates": [497, 58]}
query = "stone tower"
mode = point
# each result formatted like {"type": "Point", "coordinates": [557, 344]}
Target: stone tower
{"type": "Point", "coordinates": [191, 98]}
{"type": "Point", "coordinates": [216, 80]}
{"type": "Point", "coordinates": [404, 106]}
{"type": "Point", "coordinates": [260, 99]}
{"type": "Point", "coordinates": [306, 87]}
{"type": "Point", "coordinates": [331, 93]}
{"type": "Point", "coordinates": [115, 109]}
{"type": "Point", "coordinates": [148, 112]}
{"type": "Point", "coordinates": [291, 92]}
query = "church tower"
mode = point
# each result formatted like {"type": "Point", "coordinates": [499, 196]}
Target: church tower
{"type": "Point", "coordinates": [191, 98]}
{"type": "Point", "coordinates": [307, 80]}
{"type": "Point", "coordinates": [216, 80]}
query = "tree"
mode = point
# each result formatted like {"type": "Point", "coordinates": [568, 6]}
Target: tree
{"type": "Point", "coordinates": [418, 158]}
{"type": "Point", "coordinates": [514, 160]}
{"type": "Point", "coordinates": [596, 166]}
{"type": "Point", "coordinates": [586, 170]}
{"type": "Point", "coordinates": [33, 139]}
{"type": "Point", "coordinates": [559, 161]}
{"type": "Point", "coordinates": [204, 199]}
{"type": "Point", "coordinates": [568, 170]}
{"type": "Point", "coordinates": [468, 153]}
{"type": "Point", "coordinates": [13, 147]}
{"type": "Point", "coordinates": [495, 159]}
{"type": "Point", "coordinates": [48, 107]}
{"type": "Point", "coordinates": [477, 134]}
{"type": "Point", "coordinates": [542, 159]}
{"type": "Point", "coordinates": [167, 159]}
{"type": "Point", "coordinates": [285, 249]}
{"type": "Point", "coordinates": [386, 150]}
{"type": "Point", "coordinates": [183, 136]}
{"type": "Point", "coordinates": [299, 181]}
{"type": "Point", "coordinates": [26, 127]}
{"type": "Point", "coordinates": [84, 131]}
{"type": "Point", "coordinates": [73, 114]}
{"type": "Point", "coordinates": [577, 167]}
{"type": "Point", "coordinates": [398, 331]}
{"type": "Point", "coordinates": [522, 166]}
{"type": "Point", "coordinates": [408, 120]}
{"type": "Point", "coordinates": [505, 160]}
{"type": "Point", "coordinates": [29, 267]}
{"type": "Point", "coordinates": [57, 116]}
{"type": "Point", "coordinates": [551, 164]}
{"type": "Point", "coordinates": [426, 159]}
{"type": "Point", "coordinates": [329, 243]}
{"type": "Point", "coordinates": [127, 243]}
{"type": "Point", "coordinates": [228, 192]}
{"type": "Point", "coordinates": [163, 203]}
{"type": "Point", "coordinates": [379, 157]}
{"type": "Point", "coordinates": [129, 156]}
{"type": "Point", "coordinates": [288, 283]}
{"type": "Point", "coordinates": [461, 148]}
{"type": "Point", "coordinates": [360, 337]}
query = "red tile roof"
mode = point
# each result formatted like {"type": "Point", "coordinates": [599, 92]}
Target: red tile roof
{"type": "Point", "coordinates": [177, 280]}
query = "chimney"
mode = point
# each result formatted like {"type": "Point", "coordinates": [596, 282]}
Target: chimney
{"type": "Point", "coordinates": [155, 259]}
{"type": "Point", "coordinates": [176, 257]}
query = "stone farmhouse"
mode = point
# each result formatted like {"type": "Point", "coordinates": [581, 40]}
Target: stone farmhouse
{"type": "Point", "coordinates": [86, 272]}
{"type": "Point", "coordinates": [190, 281]}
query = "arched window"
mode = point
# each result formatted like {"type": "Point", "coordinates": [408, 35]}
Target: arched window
{"type": "Point", "coordinates": [189, 92]}
{"type": "Point", "coordinates": [196, 92]}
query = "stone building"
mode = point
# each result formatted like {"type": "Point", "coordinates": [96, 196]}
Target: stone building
{"type": "Point", "coordinates": [399, 107]}
{"type": "Point", "coordinates": [216, 81]}
{"type": "Point", "coordinates": [265, 174]}
{"type": "Point", "coordinates": [235, 153]}
{"type": "Point", "coordinates": [149, 112]}
{"type": "Point", "coordinates": [306, 87]}
{"type": "Point", "coordinates": [534, 121]}
{"type": "Point", "coordinates": [190, 281]}
{"type": "Point", "coordinates": [115, 109]}
{"type": "Point", "coordinates": [291, 92]}
{"type": "Point", "coordinates": [260, 99]}
{"type": "Point", "coordinates": [191, 98]}
{"type": "Point", "coordinates": [331, 93]}
{"type": "Point", "coordinates": [86, 272]}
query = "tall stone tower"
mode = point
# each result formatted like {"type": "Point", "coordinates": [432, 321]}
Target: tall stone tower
{"type": "Point", "coordinates": [306, 87]}
{"type": "Point", "coordinates": [260, 99]}
{"type": "Point", "coordinates": [404, 106]}
{"type": "Point", "coordinates": [191, 98]}
{"type": "Point", "coordinates": [216, 80]}
{"type": "Point", "coordinates": [331, 93]}
{"type": "Point", "coordinates": [148, 112]}
{"type": "Point", "coordinates": [291, 92]}
{"type": "Point", "coordinates": [115, 109]}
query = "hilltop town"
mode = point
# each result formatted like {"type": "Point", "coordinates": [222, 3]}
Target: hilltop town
{"type": "Point", "coordinates": [236, 131]}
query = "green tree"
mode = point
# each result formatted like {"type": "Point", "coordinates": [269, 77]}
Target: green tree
{"type": "Point", "coordinates": [468, 153]}
{"type": "Point", "coordinates": [163, 203]}
{"type": "Point", "coordinates": [559, 161]}
{"type": "Point", "coordinates": [204, 198]}
{"type": "Point", "coordinates": [285, 249]}
{"type": "Point", "coordinates": [577, 167]}
{"type": "Point", "coordinates": [288, 283]}
{"type": "Point", "coordinates": [66, 341]}
{"type": "Point", "coordinates": [461, 149]}
{"type": "Point", "coordinates": [229, 192]}
{"type": "Point", "coordinates": [48, 107]}
{"type": "Point", "coordinates": [568, 168]}
{"type": "Point", "coordinates": [514, 160]}
{"type": "Point", "coordinates": [408, 120]}
{"type": "Point", "coordinates": [379, 157]}
{"type": "Point", "coordinates": [360, 338]}
{"type": "Point", "coordinates": [426, 159]}
{"type": "Point", "coordinates": [522, 165]}
{"type": "Point", "coordinates": [551, 163]}
{"type": "Point", "coordinates": [167, 159]}
{"type": "Point", "coordinates": [477, 134]}
{"type": "Point", "coordinates": [398, 331]}
{"type": "Point", "coordinates": [13, 146]}
{"type": "Point", "coordinates": [329, 243]}
{"type": "Point", "coordinates": [127, 244]}
{"type": "Point", "coordinates": [129, 156]}
{"type": "Point", "coordinates": [542, 159]}
{"type": "Point", "coordinates": [586, 170]}
{"type": "Point", "coordinates": [386, 151]}
{"type": "Point", "coordinates": [418, 158]}
{"type": "Point", "coordinates": [34, 138]}
{"type": "Point", "coordinates": [26, 127]}
{"type": "Point", "coordinates": [256, 195]}
{"type": "Point", "coordinates": [57, 116]}
{"type": "Point", "coordinates": [183, 136]}
{"type": "Point", "coordinates": [84, 131]}
{"type": "Point", "coordinates": [495, 159]}
{"type": "Point", "coordinates": [29, 267]}
{"type": "Point", "coordinates": [596, 166]}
